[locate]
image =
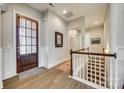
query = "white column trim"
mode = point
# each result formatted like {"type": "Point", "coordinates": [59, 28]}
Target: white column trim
{"type": "Point", "coordinates": [1, 83]}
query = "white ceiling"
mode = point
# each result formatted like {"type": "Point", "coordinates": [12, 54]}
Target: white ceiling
{"type": "Point", "coordinates": [92, 12]}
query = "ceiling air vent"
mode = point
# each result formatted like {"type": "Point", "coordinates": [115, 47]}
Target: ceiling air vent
{"type": "Point", "coordinates": [51, 4]}
{"type": "Point", "coordinates": [69, 14]}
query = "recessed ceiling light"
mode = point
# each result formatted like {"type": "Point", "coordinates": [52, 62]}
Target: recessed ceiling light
{"type": "Point", "coordinates": [64, 11]}
{"type": "Point", "coordinates": [96, 22]}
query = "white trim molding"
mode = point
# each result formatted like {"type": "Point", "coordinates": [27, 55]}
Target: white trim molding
{"type": "Point", "coordinates": [9, 63]}
{"type": "Point", "coordinates": [120, 67]}
{"type": "Point", "coordinates": [1, 83]}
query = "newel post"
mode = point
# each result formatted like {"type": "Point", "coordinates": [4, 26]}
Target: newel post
{"type": "Point", "coordinates": [71, 70]}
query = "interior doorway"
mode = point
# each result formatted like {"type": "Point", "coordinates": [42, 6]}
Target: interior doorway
{"type": "Point", "coordinates": [26, 43]}
{"type": "Point", "coordinates": [74, 39]}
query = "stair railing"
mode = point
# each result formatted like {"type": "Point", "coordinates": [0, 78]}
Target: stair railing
{"type": "Point", "coordinates": [91, 68]}
{"type": "Point", "coordinates": [83, 49]}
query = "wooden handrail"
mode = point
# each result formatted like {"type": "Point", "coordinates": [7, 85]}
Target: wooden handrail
{"type": "Point", "coordinates": [99, 54]}
{"type": "Point", "coordinates": [83, 49]}
{"type": "Point", "coordinates": [89, 53]}
{"type": "Point", "coordinates": [86, 49]}
{"type": "Point", "coordinates": [80, 49]}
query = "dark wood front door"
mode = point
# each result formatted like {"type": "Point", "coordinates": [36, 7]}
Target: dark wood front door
{"type": "Point", "coordinates": [27, 43]}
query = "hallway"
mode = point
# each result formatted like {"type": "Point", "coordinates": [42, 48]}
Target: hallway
{"type": "Point", "coordinates": [47, 79]}
{"type": "Point", "coordinates": [38, 40]}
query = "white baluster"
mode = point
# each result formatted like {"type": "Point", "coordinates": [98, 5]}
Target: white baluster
{"type": "Point", "coordinates": [74, 65]}
{"type": "Point", "coordinates": [87, 67]}
{"type": "Point", "coordinates": [95, 70]}
{"type": "Point", "coordinates": [83, 57]}
{"type": "Point", "coordinates": [99, 71]}
{"type": "Point", "coordinates": [91, 69]}
{"type": "Point", "coordinates": [105, 70]}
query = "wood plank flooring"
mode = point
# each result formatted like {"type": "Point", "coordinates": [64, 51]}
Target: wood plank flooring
{"type": "Point", "coordinates": [65, 66]}
{"type": "Point", "coordinates": [31, 72]}
{"type": "Point", "coordinates": [47, 79]}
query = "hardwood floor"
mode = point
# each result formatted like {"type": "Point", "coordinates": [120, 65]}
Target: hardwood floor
{"type": "Point", "coordinates": [31, 72]}
{"type": "Point", "coordinates": [47, 79]}
{"type": "Point", "coordinates": [65, 66]}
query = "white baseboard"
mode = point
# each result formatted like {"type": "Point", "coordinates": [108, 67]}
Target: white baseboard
{"type": "Point", "coordinates": [57, 63]}
{"type": "Point", "coordinates": [8, 75]}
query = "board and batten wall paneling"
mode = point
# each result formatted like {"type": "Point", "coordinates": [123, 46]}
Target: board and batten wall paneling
{"type": "Point", "coordinates": [117, 43]}
{"type": "Point", "coordinates": [113, 38]}
{"type": "Point", "coordinates": [53, 23]}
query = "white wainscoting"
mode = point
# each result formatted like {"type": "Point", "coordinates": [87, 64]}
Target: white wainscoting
{"type": "Point", "coordinates": [1, 83]}
{"type": "Point", "coordinates": [43, 57]}
{"type": "Point", "coordinates": [9, 62]}
{"type": "Point", "coordinates": [120, 67]}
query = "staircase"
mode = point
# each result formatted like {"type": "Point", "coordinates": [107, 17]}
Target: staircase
{"type": "Point", "coordinates": [93, 68]}
{"type": "Point", "coordinates": [96, 70]}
